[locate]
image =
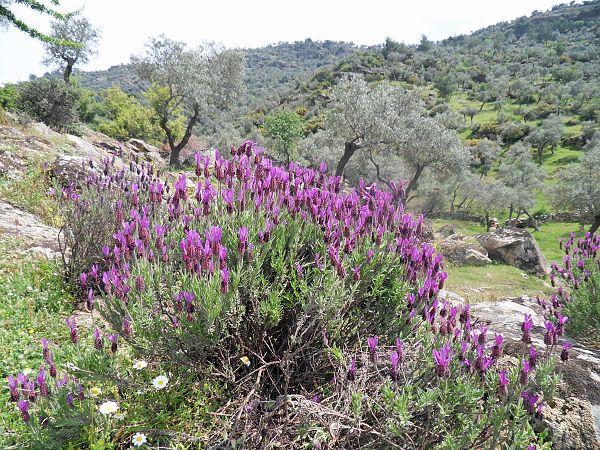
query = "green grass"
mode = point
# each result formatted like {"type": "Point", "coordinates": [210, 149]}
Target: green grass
{"type": "Point", "coordinates": [501, 280]}
{"type": "Point", "coordinates": [491, 283]}
{"type": "Point", "coordinates": [30, 193]}
{"type": "Point", "coordinates": [33, 304]}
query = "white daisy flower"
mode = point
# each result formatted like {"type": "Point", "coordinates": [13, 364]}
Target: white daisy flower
{"type": "Point", "coordinates": [95, 391]}
{"type": "Point", "coordinates": [139, 365]}
{"type": "Point", "coordinates": [109, 407]}
{"type": "Point", "coordinates": [138, 439]}
{"type": "Point", "coordinates": [119, 416]}
{"type": "Point", "coordinates": [27, 371]}
{"type": "Point", "coordinates": [160, 382]}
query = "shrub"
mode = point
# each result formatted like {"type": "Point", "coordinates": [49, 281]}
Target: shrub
{"type": "Point", "coordinates": [92, 213]}
{"type": "Point", "coordinates": [8, 96]}
{"type": "Point", "coordinates": [580, 270]}
{"type": "Point", "coordinates": [300, 309]}
{"type": "Point", "coordinates": [51, 101]}
{"type": "Point", "coordinates": [125, 117]}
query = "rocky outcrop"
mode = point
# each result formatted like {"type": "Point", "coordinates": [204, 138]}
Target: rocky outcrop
{"type": "Point", "coordinates": [69, 169]}
{"type": "Point", "coordinates": [516, 247]}
{"type": "Point", "coordinates": [461, 250]}
{"type": "Point", "coordinates": [574, 414]}
{"type": "Point", "coordinates": [27, 232]}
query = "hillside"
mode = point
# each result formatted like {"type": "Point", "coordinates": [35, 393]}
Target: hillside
{"type": "Point", "coordinates": [269, 68]}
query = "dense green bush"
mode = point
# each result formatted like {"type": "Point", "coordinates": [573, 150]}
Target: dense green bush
{"type": "Point", "coordinates": [8, 96]}
{"type": "Point", "coordinates": [49, 100]}
{"type": "Point", "coordinates": [124, 117]}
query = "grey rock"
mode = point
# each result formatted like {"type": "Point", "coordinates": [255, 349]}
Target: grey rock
{"type": "Point", "coordinates": [27, 230]}
{"type": "Point", "coordinates": [476, 258]}
{"type": "Point", "coordinates": [462, 250]}
{"type": "Point", "coordinates": [516, 247]}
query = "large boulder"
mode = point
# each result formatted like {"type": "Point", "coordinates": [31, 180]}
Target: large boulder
{"type": "Point", "coordinates": [573, 416]}
{"type": "Point", "coordinates": [516, 247]}
{"type": "Point", "coordinates": [462, 250]}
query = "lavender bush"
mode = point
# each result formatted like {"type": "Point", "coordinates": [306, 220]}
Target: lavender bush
{"type": "Point", "coordinates": [311, 314]}
{"type": "Point", "coordinates": [580, 271]}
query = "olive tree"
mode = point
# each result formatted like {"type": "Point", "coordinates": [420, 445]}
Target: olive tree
{"type": "Point", "coordinates": [522, 178]}
{"type": "Point", "coordinates": [284, 130]}
{"type": "Point", "coordinates": [484, 154]}
{"type": "Point", "coordinates": [74, 29]}
{"type": "Point", "coordinates": [384, 123]}
{"type": "Point", "coordinates": [424, 143]}
{"type": "Point", "coordinates": [195, 82]}
{"type": "Point", "coordinates": [364, 117]}
{"type": "Point", "coordinates": [549, 133]}
{"type": "Point", "coordinates": [578, 187]}
{"type": "Point", "coordinates": [487, 196]}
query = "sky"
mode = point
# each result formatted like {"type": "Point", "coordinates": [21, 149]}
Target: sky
{"type": "Point", "coordinates": [127, 24]}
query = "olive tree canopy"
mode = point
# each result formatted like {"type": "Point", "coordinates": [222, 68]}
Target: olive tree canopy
{"type": "Point", "coordinates": [74, 29]}
{"type": "Point", "coordinates": [578, 187]}
{"type": "Point", "coordinates": [194, 82]}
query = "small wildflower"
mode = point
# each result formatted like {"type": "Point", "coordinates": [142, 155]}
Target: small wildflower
{"type": "Point", "coordinates": [109, 407]}
{"type": "Point", "coordinates": [245, 360]}
{"type": "Point", "coordinates": [139, 365]}
{"type": "Point", "coordinates": [95, 391]}
{"type": "Point", "coordinates": [160, 382]}
{"type": "Point", "coordinates": [119, 416]}
{"type": "Point", "coordinates": [139, 439]}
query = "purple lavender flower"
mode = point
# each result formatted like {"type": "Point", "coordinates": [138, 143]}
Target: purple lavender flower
{"type": "Point", "coordinates": [243, 242]}
{"type": "Point", "coordinates": [97, 339]}
{"type": "Point", "coordinates": [12, 386]}
{"type": "Point", "coordinates": [442, 358]}
{"type": "Point", "coordinates": [530, 401]}
{"type": "Point", "coordinates": [70, 398]}
{"type": "Point", "coordinates": [524, 373]}
{"type": "Point", "coordinates": [526, 327]}
{"type": "Point", "coordinates": [299, 270]}
{"type": "Point", "coordinates": [127, 327]}
{"type": "Point", "coordinates": [24, 408]}
{"type": "Point", "coordinates": [90, 299]}
{"type": "Point", "coordinates": [83, 279]}
{"type": "Point", "coordinates": [45, 350]}
{"type": "Point", "coordinates": [41, 380]}
{"type": "Point", "coordinates": [224, 281]}
{"type": "Point", "coordinates": [533, 356]}
{"type": "Point", "coordinates": [400, 350]}
{"type": "Point", "coordinates": [140, 284]}
{"type": "Point", "coordinates": [503, 383]}
{"type": "Point", "coordinates": [372, 343]}
{"type": "Point", "coordinates": [72, 329]}
{"type": "Point", "coordinates": [113, 339]}
{"type": "Point", "coordinates": [497, 347]}
{"type": "Point", "coordinates": [352, 370]}
{"type": "Point", "coordinates": [550, 336]}
{"type": "Point", "coordinates": [394, 358]}
{"type": "Point", "coordinates": [560, 326]}
{"type": "Point", "coordinates": [564, 354]}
